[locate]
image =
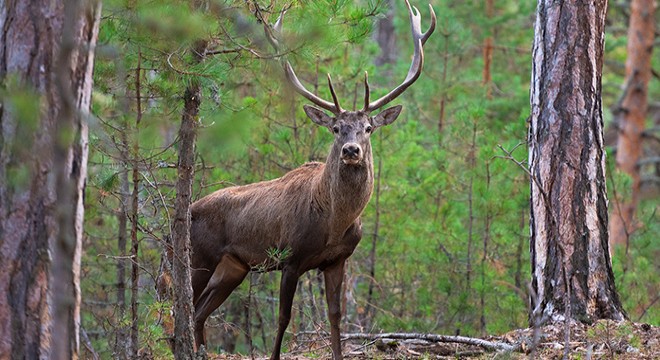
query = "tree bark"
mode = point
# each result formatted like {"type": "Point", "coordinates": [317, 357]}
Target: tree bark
{"type": "Point", "coordinates": [488, 345]}
{"type": "Point", "coordinates": [183, 307]}
{"type": "Point", "coordinates": [122, 342]}
{"type": "Point", "coordinates": [135, 217]}
{"type": "Point", "coordinates": [632, 114]}
{"type": "Point", "coordinates": [47, 54]}
{"type": "Point", "coordinates": [571, 264]}
{"type": "Point", "coordinates": [181, 274]}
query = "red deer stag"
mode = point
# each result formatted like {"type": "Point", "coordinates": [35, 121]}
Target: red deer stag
{"type": "Point", "coordinates": [311, 215]}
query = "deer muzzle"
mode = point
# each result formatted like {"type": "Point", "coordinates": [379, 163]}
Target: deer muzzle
{"type": "Point", "coordinates": [351, 154]}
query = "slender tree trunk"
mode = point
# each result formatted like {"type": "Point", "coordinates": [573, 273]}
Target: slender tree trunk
{"type": "Point", "coordinates": [488, 50]}
{"type": "Point", "coordinates": [632, 114]}
{"type": "Point", "coordinates": [47, 55]}
{"type": "Point", "coordinates": [484, 258]}
{"type": "Point", "coordinates": [121, 335]}
{"type": "Point", "coordinates": [386, 38]}
{"type": "Point", "coordinates": [122, 339]}
{"type": "Point", "coordinates": [571, 264]}
{"type": "Point", "coordinates": [183, 307]}
{"type": "Point", "coordinates": [135, 245]}
{"type": "Point", "coordinates": [181, 274]}
{"type": "Point", "coordinates": [472, 163]}
{"type": "Point", "coordinates": [443, 96]}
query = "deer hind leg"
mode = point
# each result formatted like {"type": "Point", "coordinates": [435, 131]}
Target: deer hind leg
{"type": "Point", "coordinates": [287, 291]}
{"type": "Point", "coordinates": [200, 278]}
{"type": "Point", "coordinates": [228, 274]}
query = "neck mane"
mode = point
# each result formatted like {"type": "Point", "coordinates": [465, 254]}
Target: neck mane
{"type": "Point", "coordinates": [346, 188]}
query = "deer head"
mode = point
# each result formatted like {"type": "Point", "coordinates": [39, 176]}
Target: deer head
{"type": "Point", "coordinates": [352, 129]}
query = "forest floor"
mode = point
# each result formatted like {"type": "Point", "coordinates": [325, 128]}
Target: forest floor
{"type": "Point", "coordinates": [602, 340]}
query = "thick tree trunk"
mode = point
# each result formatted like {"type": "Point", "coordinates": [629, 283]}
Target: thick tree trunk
{"type": "Point", "coordinates": [641, 35]}
{"type": "Point", "coordinates": [571, 265]}
{"type": "Point", "coordinates": [48, 55]}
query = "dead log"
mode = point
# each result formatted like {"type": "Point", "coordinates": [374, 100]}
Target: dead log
{"type": "Point", "coordinates": [488, 345]}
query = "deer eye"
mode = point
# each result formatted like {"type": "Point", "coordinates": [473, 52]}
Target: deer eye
{"type": "Point", "coordinates": [335, 129]}
{"type": "Point", "coordinates": [368, 129]}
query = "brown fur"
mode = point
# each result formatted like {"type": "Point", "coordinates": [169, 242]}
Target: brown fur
{"type": "Point", "coordinates": [309, 218]}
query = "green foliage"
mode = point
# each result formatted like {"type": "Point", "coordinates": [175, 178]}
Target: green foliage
{"type": "Point", "coordinates": [613, 334]}
{"type": "Point", "coordinates": [452, 240]}
{"type": "Point", "coordinates": [22, 103]}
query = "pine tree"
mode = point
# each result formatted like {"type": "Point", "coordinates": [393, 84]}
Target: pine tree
{"type": "Point", "coordinates": [46, 72]}
{"type": "Point", "coordinates": [571, 265]}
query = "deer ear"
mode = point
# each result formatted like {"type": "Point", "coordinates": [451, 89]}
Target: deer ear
{"type": "Point", "coordinates": [387, 116]}
{"type": "Point", "coordinates": [317, 116]}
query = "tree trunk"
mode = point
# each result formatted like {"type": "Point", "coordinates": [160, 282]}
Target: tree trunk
{"type": "Point", "coordinates": [632, 114]}
{"type": "Point", "coordinates": [183, 307]}
{"type": "Point", "coordinates": [386, 38]}
{"type": "Point", "coordinates": [488, 50]}
{"type": "Point", "coordinates": [571, 264]}
{"type": "Point", "coordinates": [135, 217]}
{"type": "Point", "coordinates": [181, 275]}
{"type": "Point", "coordinates": [122, 342]}
{"type": "Point", "coordinates": [46, 63]}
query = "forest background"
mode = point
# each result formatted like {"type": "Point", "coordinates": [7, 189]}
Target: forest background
{"type": "Point", "coordinates": [445, 246]}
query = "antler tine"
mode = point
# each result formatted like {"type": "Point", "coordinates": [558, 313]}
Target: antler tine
{"type": "Point", "coordinates": [272, 34]}
{"type": "Point", "coordinates": [428, 32]}
{"type": "Point", "coordinates": [415, 70]}
{"type": "Point", "coordinates": [276, 30]}
{"type": "Point", "coordinates": [366, 90]}
{"type": "Point", "coordinates": [334, 96]}
{"type": "Point", "coordinates": [300, 88]}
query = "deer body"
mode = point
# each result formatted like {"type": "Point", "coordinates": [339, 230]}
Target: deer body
{"type": "Point", "coordinates": [299, 222]}
{"type": "Point", "coordinates": [309, 218]}
{"type": "Point", "coordinates": [309, 210]}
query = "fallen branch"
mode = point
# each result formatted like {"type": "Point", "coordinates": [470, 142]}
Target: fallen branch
{"type": "Point", "coordinates": [488, 345]}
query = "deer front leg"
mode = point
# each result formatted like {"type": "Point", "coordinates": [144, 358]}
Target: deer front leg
{"type": "Point", "coordinates": [334, 276]}
{"type": "Point", "coordinates": [288, 286]}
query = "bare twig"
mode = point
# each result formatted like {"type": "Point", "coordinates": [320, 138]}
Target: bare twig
{"type": "Point", "coordinates": [88, 344]}
{"type": "Point", "coordinates": [509, 156]}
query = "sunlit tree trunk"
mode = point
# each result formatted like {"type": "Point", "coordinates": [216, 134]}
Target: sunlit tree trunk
{"type": "Point", "coordinates": [641, 35]}
{"type": "Point", "coordinates": [571, 265]}
{"type": "Point", "coordinates": [46, 63]}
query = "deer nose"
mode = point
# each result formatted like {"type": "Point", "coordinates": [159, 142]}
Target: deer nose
{"type": "Point", "coordinates": [350, 151]}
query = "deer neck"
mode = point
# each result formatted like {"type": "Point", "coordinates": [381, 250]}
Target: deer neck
{"type": "Point", "coordinates": [346, 188]}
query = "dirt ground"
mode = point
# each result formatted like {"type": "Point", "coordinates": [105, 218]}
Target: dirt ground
{"type": "Point", "coordinates": [602, 340]}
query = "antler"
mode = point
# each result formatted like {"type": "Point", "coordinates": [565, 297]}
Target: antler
{"type": "Point", "coordinates": [291, 75]}
{"type": "Point", "coordinates": [415, 70]}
